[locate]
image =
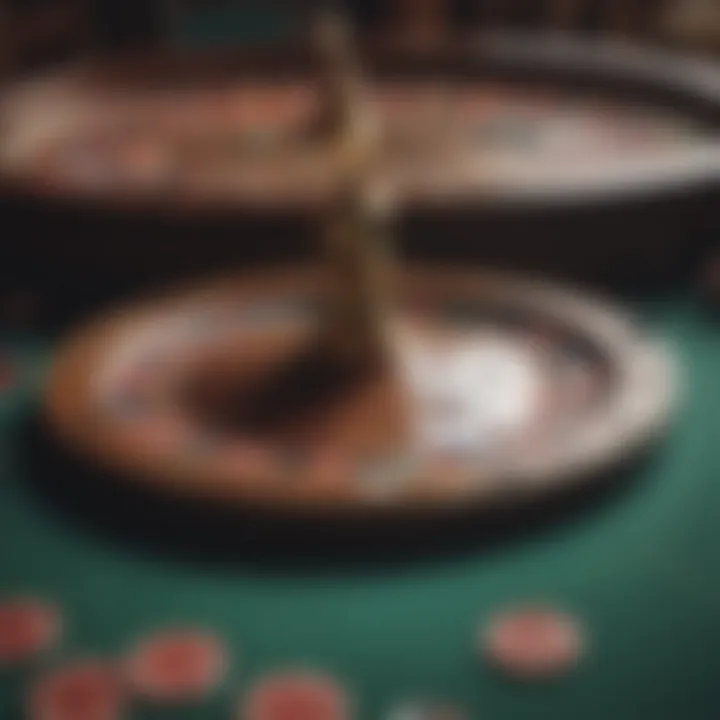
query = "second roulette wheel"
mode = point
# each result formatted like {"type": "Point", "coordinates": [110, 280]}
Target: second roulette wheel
{"type": "Point", "coordinates": [590, 160]}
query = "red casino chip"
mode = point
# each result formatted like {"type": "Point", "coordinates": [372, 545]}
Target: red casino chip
{"type": "Point", "coordinates": [88, 690]}
{"type": "Point", "coordinates": [296, 696]}
{"type": "Point", "coordinates": [533, 643]}
{"type": "Point", "coordinates": [177, 666]}
{"type": "Point", "coordinates": [27, 628]}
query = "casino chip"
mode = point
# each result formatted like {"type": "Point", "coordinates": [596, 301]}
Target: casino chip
{"type": "Point", "coordinates": [533, 643]}
{"type": "Point", "coordinates": [296, 696]}
{"type": "Point", "coordinates": [27, 628]}
{"type": "Point", "coordinates": [87, 690]}
{"type": "Point", "coordinates": [176, 666]}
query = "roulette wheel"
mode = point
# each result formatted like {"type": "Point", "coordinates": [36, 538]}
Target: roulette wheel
{"type": "Point", "coordinates": [504, 149]}
{"type": "Point", "coordinates": [514, 388]}
{"type": "Point", "coordinates": [359, 384]}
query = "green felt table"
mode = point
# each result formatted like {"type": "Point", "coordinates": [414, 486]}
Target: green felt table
{"type": "Point", "coordinates": [639, 567]}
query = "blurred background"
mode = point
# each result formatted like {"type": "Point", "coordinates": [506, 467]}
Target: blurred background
{"type": "Point", "coordinates": [37, 31]}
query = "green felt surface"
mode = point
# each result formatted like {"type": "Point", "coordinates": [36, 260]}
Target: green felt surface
{"type": "Point", "coordinates": [641, 570]}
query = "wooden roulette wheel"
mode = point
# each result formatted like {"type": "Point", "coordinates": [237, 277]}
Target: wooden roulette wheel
{"type": "Point", "coordinates": [358, 385]}
{"type": "Point", "coordinates": [512, 388]}
{"type": "Point", "coordinates": [503, 149]}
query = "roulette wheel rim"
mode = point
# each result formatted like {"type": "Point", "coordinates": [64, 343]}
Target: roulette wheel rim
{"type": "Point", "coordinates": [637, 410]}
{"type": "Point", "coordinates": [610, 66]}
